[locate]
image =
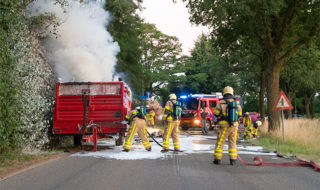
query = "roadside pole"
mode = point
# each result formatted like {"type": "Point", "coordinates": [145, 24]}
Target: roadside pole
{"type": "Point", "coordinates": [282, 120]}
{"type": "Point", "coordinates": [281, 104]}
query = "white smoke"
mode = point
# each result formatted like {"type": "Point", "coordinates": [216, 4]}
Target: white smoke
{"type": "Point", "coordinates": [82, 50]}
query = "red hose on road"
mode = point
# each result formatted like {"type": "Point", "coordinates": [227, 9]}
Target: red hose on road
{"type": "Point", "coordinates": [257, 161]}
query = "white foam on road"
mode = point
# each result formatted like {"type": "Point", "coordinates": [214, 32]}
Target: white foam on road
{"type": "Point", "coordinates": [189, 145]}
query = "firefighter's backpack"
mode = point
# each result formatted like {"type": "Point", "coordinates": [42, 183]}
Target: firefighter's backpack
{"type": "Point", "coordinates": [141, 112]}
{"type": "Point", "coordinates": [176, 110]}
{"type": "Point", "coordinates": [232, 111]}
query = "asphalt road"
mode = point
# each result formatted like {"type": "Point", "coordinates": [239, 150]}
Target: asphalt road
{"type": "Point", "coordinates": [175, 171]}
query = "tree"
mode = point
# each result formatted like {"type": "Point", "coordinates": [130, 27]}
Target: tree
{"type": "Point", "coordinates": [300, 74]}
{"type": "Point", "coordinates": [161, 54]}
{"type": "Point", "coordinates": [279, 27]}
{"type": "Point", "coordinates": [126, 28]}
{"type": "Point", "coordinates": [204, 69]}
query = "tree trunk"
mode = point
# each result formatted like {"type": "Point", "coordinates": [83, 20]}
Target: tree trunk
{"type": "Point", "coordinates": [307, 101]}
{"type": "Point", "coordinates": [261, 95]}
{"type": "Point", "coordinates": [272, 79]}
{"type": "Point", "coordinates": [290, 97]}
{"type": "Point", "coordinates": [289, 114]}
{"type": "Point", "coordinates": [312, 110]}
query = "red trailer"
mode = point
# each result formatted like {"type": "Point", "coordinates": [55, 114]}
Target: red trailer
{"type": "Point", "coordinates": [85, 107]}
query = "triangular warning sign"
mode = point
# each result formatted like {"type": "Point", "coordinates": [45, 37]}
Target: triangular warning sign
{"type": "Point", "coordinates": [282, 102]}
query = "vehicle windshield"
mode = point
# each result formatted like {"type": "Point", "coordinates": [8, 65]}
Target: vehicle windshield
{"type": "Point", "coordinates": [190, 104]}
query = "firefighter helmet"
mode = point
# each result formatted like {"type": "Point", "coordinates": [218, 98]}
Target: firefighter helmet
{"type": "Point", "coordinates": [228, 90]}
{"type": "Point", "coordinates": [172, 97]}
{"type": "Point", "coordinates": [247, 113]}
{"type": "Point", "coordinates": [259, 123]}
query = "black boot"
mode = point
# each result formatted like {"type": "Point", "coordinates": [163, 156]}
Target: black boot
{"type": "Point", "coordinates": [216, 161]}
{"type": "Point", "coordinates": [233, 162]}
{"type": "Point", "coordinates": [148, 149]}
{"type": "Point", "coordinates": [125, 150]}
{"type": "Point", "coordinates": [164, 151]}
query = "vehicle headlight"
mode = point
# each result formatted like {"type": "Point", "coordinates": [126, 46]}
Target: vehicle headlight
{"type": "Point", "coordinates": [196, 121]}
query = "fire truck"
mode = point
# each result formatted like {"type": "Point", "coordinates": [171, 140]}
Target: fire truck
{"type": "Point", "coordinates": [91, 110]}
{"type": "Point", "coordinates": [193, 105]}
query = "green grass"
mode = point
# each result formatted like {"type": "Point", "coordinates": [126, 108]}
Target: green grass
{"type": "Point", "coordinates": [289, 147]}
{"type": "Point", "coordinates": [11, 158]}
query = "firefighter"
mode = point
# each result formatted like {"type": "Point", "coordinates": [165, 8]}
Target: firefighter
{"type": "Point", "coordinates": [256, 125]}
{"type": "Point", "coordinates": [252, 131]}
{"type": "Point", "coordinates": [137, 124]}
{"type": "Point", "coordinates": [150, 116]}
{"type": "Point", "coordinates": [227, 128]}
{"type": "Point", "coordinates": [203, 114]}
{"type": "Point", "coordinates": [172, 116]}
{"type": "Point", "coordinates": [247, 120]}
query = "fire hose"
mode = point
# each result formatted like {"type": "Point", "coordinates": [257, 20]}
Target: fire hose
{"type": "Point", "coordinates": [159, 143]}
{"type": "Point", "coordinates": [257, 161]}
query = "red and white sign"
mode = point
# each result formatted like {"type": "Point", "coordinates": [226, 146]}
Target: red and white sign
{"type": "Point", "coordinates": [282, 102]}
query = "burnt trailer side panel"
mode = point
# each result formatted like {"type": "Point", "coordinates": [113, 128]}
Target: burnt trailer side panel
{"type": "Point", "coordinates": [78, 104]}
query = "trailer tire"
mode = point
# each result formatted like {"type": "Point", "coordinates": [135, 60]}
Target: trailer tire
{"type": "Point", "coordinates": [77, 139]}
{"type": "Point", "coordinates": [120, 140]}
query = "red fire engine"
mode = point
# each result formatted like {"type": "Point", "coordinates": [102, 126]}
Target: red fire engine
{"type": "Point", "coordinates": [91, 110]}
{"type": "Point", "coordinates": [193, 105]}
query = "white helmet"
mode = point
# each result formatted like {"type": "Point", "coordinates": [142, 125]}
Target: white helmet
{"type": "Point", "coordinates": [137, 108]}
{"type": "Point", "coordinates": [172, 97]}
{"type": "Point", "coordinates": [228, 90]}
{"type": "Point", "coordinates": [259, 123]}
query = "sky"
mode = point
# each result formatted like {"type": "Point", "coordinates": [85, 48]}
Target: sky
{"type": "Point", "coordinates": [172, 19]}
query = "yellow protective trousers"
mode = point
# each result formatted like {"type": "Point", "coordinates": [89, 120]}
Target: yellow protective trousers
{"type": "Point", "coordinates": [230, 132]}
{"type": "Point", "coordinates": [172, 129]}
{"type": "Point", "coordinates": [137, 125]}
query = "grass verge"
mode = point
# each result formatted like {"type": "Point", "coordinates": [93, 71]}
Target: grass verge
{"type": "Point", "coordinates": [14, 161]}
{"type": "Point", "coordinates": [8, 159]}
{"type": "Point", "coordinates": [302, 139]}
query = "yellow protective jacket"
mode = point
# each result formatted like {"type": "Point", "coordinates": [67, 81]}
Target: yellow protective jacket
{"type": "Point", "coordinates": [132, 115]}
{"type": "Point", "coordinates": [247, 121]}
{"type": "Point", "coordinates": [150, 116]}
{"type": "Point", "coordinates": [168, 110]}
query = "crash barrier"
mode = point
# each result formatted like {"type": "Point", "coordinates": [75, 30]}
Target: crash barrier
{"type": "Point", "coordinates": [257, 161]}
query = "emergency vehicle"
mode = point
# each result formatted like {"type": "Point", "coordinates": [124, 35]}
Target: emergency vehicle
{"type": "Point", "coordinates": [193, 105]}
{"type": "Point", "coordinates": [82, 107]}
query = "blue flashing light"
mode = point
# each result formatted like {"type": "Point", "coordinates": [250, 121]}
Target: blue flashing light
{"type": "Point", "coordinates": [144, 97]}
{"type": "Point", "coordinates": [184, 97]}
{"type": "Point", "coordinates": [197, 95]}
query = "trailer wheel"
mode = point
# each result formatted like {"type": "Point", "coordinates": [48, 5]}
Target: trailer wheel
{"type": "Point", "coordinates": [120, 140]}
{"type": "Point", "coordinates": [77, 139]}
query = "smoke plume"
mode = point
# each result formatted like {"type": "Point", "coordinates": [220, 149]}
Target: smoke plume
{"type": "Point", "coordinates": [82, 49]}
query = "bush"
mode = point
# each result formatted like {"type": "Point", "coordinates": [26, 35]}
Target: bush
{"type": "Point", "coordinates": [26, 87]}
